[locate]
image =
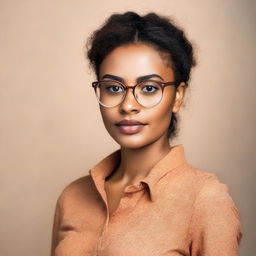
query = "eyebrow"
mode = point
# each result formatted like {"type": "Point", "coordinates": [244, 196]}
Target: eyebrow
{"type": "Point", "coordinates": [138, 80]}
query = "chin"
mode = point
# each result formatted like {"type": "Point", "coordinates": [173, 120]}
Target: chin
{"type": "Point", "coordinates": [132, 141]}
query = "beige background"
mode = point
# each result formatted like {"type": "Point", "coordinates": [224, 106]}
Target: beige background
{"type": "Point", "coordinates": [51, 130]}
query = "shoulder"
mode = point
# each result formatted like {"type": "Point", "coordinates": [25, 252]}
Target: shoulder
{"type": "Point", "coordinates": [204, 187]}
{"type": "Point", "coordinates": [193, 178]}
{"type": "Point", "coordinates": [214, 198]}
{"type": "Point", "coordinates": [215, 214]}
{"type": "Point", "coordinates": [78, 188]}
{"type": "Point", "coordinates": [208, 186]}
{"type": "Point", "coordinates": [211, 189]}
{"type": "Point", "coordinates": [214, 206]}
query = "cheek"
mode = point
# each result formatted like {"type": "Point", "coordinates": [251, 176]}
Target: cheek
{"type": "Point", "coordinates": [160, 119]}
{"type": "Point", "coordinates": [108, 117]}
{"type": "Point", "coordinates": [160, 116]}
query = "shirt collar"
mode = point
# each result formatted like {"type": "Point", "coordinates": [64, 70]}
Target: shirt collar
{"type": "Point", "coordinates": [174, 158]}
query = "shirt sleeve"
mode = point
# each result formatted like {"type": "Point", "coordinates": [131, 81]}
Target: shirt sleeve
{"type": "Point", "coordinates": [215, 223]}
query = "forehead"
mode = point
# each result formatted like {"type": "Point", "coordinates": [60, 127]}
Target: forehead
{"type": "Point", "coordinates": [136, 59]}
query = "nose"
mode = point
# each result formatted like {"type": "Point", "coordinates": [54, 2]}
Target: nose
{"type": "Point", "coordinates": [129, 103]}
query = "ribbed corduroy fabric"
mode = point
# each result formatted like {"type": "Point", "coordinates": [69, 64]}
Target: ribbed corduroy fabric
{"type": "Point", "coordinates": [176, 209]}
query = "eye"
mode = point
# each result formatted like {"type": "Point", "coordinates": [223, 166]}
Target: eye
{"type": "Point", "coordinates": [150, 88]}
{"type": "Point", "coordinates": [114, 89]}
{"type": "Point", "coordinates": [110, 87]}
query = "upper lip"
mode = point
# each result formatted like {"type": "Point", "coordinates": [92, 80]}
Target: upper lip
{"type": "Point", "coordinates": [129, 122]}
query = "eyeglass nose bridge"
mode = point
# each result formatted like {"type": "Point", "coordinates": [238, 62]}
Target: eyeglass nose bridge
{"type": "Point", "coordinates": [127, 87]}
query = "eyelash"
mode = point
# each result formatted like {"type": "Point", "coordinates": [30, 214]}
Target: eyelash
{"type": "Point", "coordinates": [143, 87]}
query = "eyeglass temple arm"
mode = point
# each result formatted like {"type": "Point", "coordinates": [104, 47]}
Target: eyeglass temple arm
{"type": "Point", "coordinates": [165, 83]}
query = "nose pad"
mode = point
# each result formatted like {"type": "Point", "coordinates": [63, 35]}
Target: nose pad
{"type": "Point", "coordinates": [129, 102]}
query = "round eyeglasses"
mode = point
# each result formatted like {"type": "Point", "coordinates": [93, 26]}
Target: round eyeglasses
{"type": "Point", "coordinates": [147, 93]}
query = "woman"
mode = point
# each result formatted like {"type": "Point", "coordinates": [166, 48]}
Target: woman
{"type": "Point", "coordinates": [144, 198]}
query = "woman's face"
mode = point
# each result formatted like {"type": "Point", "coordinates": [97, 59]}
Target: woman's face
{"type": "Point", "coordinates": [129, 62]}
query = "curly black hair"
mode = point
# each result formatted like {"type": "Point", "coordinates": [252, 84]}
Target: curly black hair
{"type": "Point", "coordinates": [157, 30]}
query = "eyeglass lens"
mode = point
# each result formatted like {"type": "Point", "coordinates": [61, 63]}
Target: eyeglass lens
{"type": "Point", "coordinates": [111, 93]}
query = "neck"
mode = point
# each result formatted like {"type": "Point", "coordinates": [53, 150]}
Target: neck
{"type": "Point", "coordinates": [136, 163]}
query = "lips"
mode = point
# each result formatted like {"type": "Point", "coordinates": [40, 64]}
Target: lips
{"type": "Point", "coordinates": [130, 129]}
{"type": "Point", "coordinates": [129, 122]}
{"type": "Point", "coordinates": [130, 126]}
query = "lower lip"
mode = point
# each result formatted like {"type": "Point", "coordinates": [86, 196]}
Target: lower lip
{"type": "Point", "coordinates": [130, 129]}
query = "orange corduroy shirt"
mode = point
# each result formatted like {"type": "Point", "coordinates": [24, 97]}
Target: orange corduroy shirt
{"type": "Point", "coordinates": [176, 209]}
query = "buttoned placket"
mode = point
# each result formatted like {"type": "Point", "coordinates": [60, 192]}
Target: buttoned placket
{"type": "Point", "coordinates": [131, 195]}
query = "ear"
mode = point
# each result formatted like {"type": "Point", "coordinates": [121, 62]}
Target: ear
{"type": "Point", "coordinates": [180, 93]}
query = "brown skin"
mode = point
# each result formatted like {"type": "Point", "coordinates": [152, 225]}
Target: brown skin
{"type": "Point", "coordinates": [142, 150]}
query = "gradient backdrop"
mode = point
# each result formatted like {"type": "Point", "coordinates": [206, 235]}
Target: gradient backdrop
{"type": "Point", "coordinates": [51, 131]}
